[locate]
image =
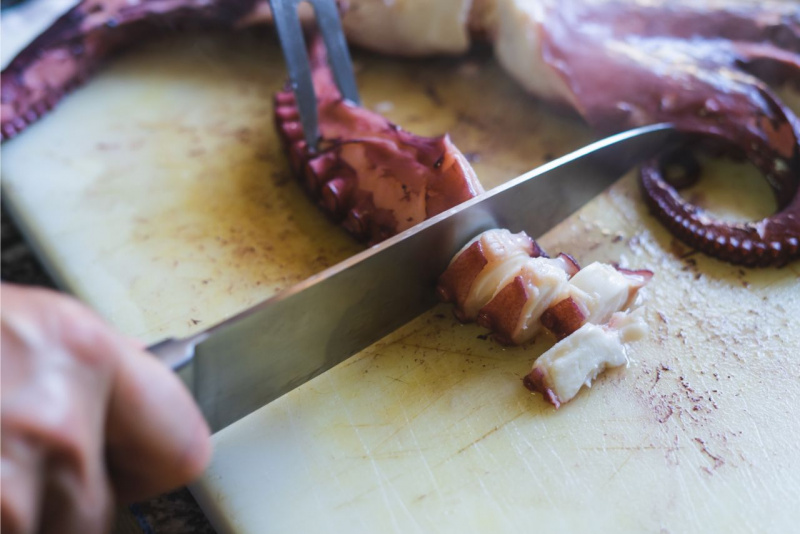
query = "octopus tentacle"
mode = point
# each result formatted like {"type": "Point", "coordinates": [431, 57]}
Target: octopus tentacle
{"type": "Point", "coordinates": [771, 142]}
{"type": "Point", "coordinates": [579, 358]}
{"type": "Point", "coordinates": [771, 22]}
{"type": "Point", "coordinates": [774, 240]}
{"type": "Point", "coordinates": [507, 284]}
{"type": "Point", "coordinates": [713, 91]}
{"type": "Point", "coordinates": [564, 317]}
{"type": "Point", "coordinates": [369, 174]}
{"type": "Point", "coordinates": [460, 283]}
{"type": "Point", "coordinates": [771, 64]}
{"type": "Point", "coordinates": [68, 52]}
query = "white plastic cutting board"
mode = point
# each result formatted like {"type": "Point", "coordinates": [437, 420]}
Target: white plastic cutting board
{"type": "Point", "coordinates": [430, 430]}
{"type": "Point", "coordinates": [158, 194]}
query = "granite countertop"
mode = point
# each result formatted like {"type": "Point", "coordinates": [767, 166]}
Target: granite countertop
{"type": "Point", "coordinates": [171, 513]}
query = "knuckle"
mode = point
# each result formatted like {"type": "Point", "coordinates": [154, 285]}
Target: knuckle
{"type": "Point", "coordinates": [65, 421]}
{"type": "Point", "coordinates": [61, 436]}
{"type": "Point", "coordinates": [73, 493]}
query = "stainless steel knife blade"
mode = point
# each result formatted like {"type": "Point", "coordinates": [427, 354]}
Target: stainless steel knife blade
{"type": "Point", "coordinates": [245, 362]}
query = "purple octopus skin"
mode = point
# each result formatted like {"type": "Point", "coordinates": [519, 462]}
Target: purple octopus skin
{"type": "Point", "coordinates": [368, 174]}
{"type": "Point", "coordinates": [75, 45]}
{"type": "Point", "coordinates": [704, 69]}
{"type": "Point", "coordinates": [711, 89]}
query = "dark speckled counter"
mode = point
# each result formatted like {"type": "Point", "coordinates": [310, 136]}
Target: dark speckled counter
{"type": "Point", "coordinates": [171, 513]}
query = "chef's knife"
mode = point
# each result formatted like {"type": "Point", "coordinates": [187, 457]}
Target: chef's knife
{"type": "Point", "coordinates": [249, 360]}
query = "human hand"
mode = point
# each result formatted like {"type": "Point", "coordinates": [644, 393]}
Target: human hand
{"type": "Point", "coordinates": [87, 416]}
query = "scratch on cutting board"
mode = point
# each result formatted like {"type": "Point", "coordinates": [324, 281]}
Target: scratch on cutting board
{"type": "Point", "coordinates": [422, 456]}
{"type": "Point", "coordinates": [412, 332]}
{"type": "Point", "coordinates": [638, 448]}
{"type": "Point", "coordinates": [491, 499]}
{"type": "Point", "coordinates": [490, 432]}
{"type": "Point", "coordinates": [417, 346]}
{"type": "Point", "coordinates": [712, 496]}
{"type": "Point", "coordinates": [440, 393]}
{"type": "Point", "coordinates": [373, 464]}
{"type": "Point", "coordinates": [687, 489]}
{"type": "Point", "coordinates": [369, 353]}
{"type": "Point", "coordinates": [481, 438]}
{"type": "Point", "coordinates": [523, 456]}
{"type": "Point", "coordinates": [467, 415]}
{"type": "Point", "coordinates": [398, 380]}
{"type": "Point", "coordinates": [292, 418]}
{"type": "Point", "coordinates": [748, 413]}
{"type": "Point", "coordinates": [632, 448]}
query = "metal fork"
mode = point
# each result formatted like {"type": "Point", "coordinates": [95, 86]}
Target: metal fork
{"type": "Point", "coordinates": [290, 34]}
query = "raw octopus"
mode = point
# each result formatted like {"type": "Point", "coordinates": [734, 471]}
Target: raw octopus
{"type": "Point", "coordinates": [507, 284]}
{"type": "Point", "coordinates": [702, 65]}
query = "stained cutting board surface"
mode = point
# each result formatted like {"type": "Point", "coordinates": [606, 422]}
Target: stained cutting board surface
{"type": "Point", "coordinates": [158, 194]}
{"type": "Point", "coordinates": [430, 430]}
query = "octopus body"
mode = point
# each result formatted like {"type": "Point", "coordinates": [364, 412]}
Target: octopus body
{"type": "Point", "coordinates": [703, 65]}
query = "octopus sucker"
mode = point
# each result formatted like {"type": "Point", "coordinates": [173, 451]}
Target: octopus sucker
{"type": "Point", "coordinates": [335, 195]}
{"type": "Point", "coordinates": [505, 283]}
{"type": "Point", "coordinates": [564, 317]}
{"type": "Point", "coordinates": [501, 314]}
{"type": "Point", "coordinates": [702, 65]}
{"type": "Point", "coordinates": [477, 271]}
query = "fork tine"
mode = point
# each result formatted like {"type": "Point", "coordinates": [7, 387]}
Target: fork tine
{"type": "Point", "coordinates": [338, 55]}
{"type": "Point", "coordinates": [290, 34]}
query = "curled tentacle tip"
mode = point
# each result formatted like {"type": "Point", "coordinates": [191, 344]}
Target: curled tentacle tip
{"type": "Point", "coordinates": [766, 243]}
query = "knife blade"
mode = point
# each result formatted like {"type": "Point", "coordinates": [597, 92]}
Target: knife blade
{"type": "Point", "coordinates": [251, 359]}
